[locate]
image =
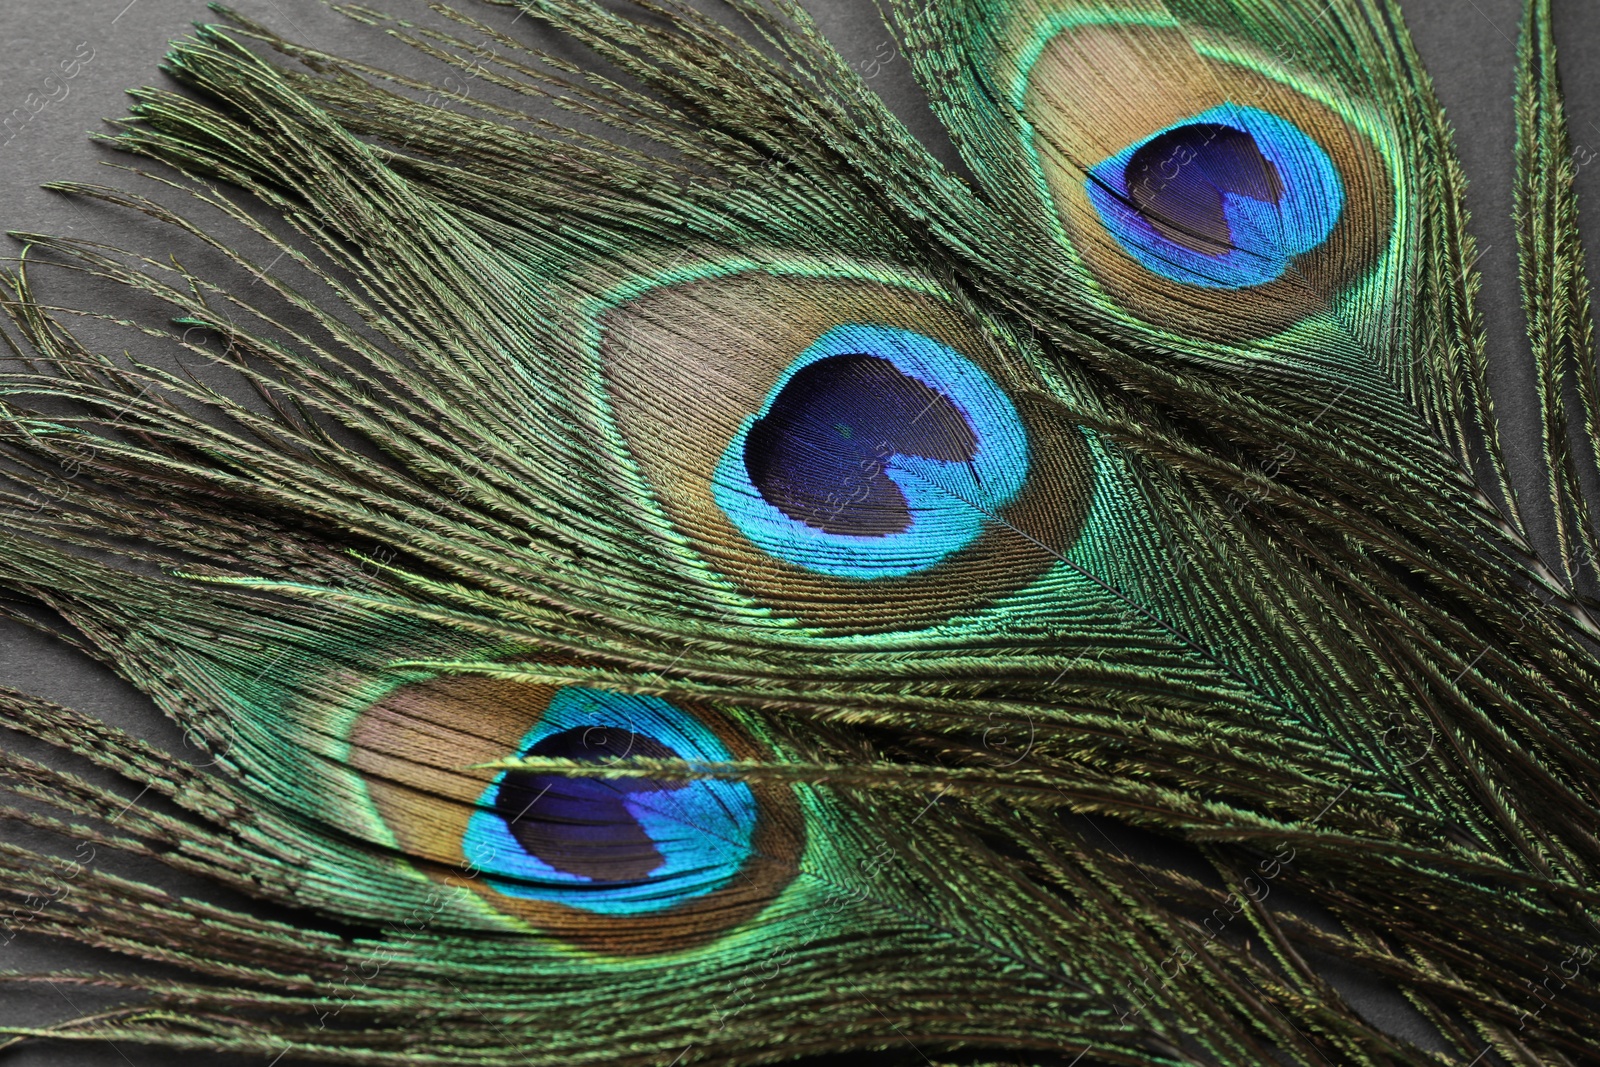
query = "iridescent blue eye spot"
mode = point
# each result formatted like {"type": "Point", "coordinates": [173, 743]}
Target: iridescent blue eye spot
{"type": "Point", "coordinates": [1224, 200]}
{"type": "Point", "coordinates": [584, 826]}
{"type": "Point", "coordinates": [613, 846]}
{"type": "Point", "coordinates": [878, 453]}
{"type": "Point", "coordinates": [815, 454]}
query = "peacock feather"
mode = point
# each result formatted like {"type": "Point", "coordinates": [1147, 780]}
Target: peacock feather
{"type": "Point", "coordinates": [665, 568]}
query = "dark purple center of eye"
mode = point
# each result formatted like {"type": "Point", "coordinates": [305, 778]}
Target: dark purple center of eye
{"type": "Point", "coordinates": [583, 826]}
{"type": "Point", "coordinates": [1177, 181]}
{"type": "Point", "coordinates": [821, 452]}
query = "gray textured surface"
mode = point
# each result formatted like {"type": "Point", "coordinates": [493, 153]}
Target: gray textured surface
{"type": "Point", "coordinates": [65, 66]}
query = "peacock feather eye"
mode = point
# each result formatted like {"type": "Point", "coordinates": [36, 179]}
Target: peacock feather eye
{"type": "Point", "coordinates": [1226, 200]}
{"type": "Point", "coordinates": [842, 446]}
{"type": "Point", "coordinates": [623, 865]}
{"type": "Point", "coordinates": [632, 845]}
{"type": "Point", "coordinates": [1221, 195]}
{"type": "Point", "coordinates": [878, 453]}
